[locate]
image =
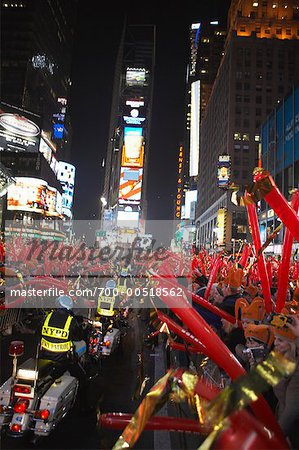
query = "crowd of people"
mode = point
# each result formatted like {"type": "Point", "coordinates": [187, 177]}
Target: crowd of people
{"type": "Point", "coordinates": [254, 332]}
{"type": "Point", "coordinates": [228, 283]}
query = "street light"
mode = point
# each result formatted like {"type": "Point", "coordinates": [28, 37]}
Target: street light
{"type": "Point", "coordinates": [104, 201]}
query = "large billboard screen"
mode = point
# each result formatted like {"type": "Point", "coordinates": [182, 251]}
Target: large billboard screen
{"type": "Point", "coordinates": [130, 185]}
{"type": "Point", "coordinates": [66, 176]}
{"type": "Point", "coordinates": [135, 76]}
{"type": "Point", "coordinates": [133, 150]}
{"type": "Point", "coordinates": [194, 128]}
{"type": "Point", "coordinates": [27, 194]}
{"type": "Point", "coordinates": [134, 112]}
{"type": "Point", "coordinates": [223, 171]}
{"type": "Point", "coordinates": [19, 130]}
{"type": "Point", "coordinates": [33, 195]}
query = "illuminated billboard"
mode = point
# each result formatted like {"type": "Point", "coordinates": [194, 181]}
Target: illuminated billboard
{"type": "Point", "coordinates": [51, 194]}
{"type": "Point", "coordinates": [134, 112]}
{"type": "Point", "coordinates": [130, 185]}
{"type": "Point", "coordinates": [66, 176]}
{"type": "Point", "coordinates": [133, 149]}
{"type": "Point", "coordinates": [223, 171]}
{"type": "Point", "coordinates": [190, 198]}
{"type": "Point", "coordinates": [27, 194]}
{"type": "Point", "coordinates": [179, 193]}
{"type": "Point", "coordinates": [34, 195]}
{"type": "Point", "coordinates": [194, 128]}
{"type": "Point", "coordinates": [19, 130]}
{"type": "Point", "coordinates": [135, 76]}
{"type": "Point", "coordinates": [221, 226]}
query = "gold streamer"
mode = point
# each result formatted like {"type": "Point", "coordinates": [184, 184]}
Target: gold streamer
{"type": "Point", "coordinates": [247, 388]}
{"type": "Point", "coordinates": [243, 391]}
{"type": "Point", "coordinates": [146, 409]}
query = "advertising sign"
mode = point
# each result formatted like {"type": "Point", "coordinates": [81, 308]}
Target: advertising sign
{"type": "Point", "coordinates": [34, 195]}
{"type": "Point", "coordinates": [51, 200]}
{"type": "Point", "coordinates": [66, 176]}
{"type": "Point", "coordinates": [135, 76]}
{"type": "Point", "coordinates": [133, 149]}
{"type": "Point", "coordinates": [27, 194]}
{"type": "Point", "coordinates": [130, 186]}
{"type": "Point", "coordinates": [223, 171]}
{"type": "Point", "coordinates": [58, 129]}
{"type": "Point", "coordinates": [179, 192]}
{"type": "Point", "coordinates": [134, 112]}
{"type": "Point", "coordinates": [45, 149]}
{"type": "Point", "coordinates": [19, 131]}
{"type": "Point", "coordinates": [221, 226]}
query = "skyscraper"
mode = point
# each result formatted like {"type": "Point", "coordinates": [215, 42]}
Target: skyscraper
{"type": "Point", "coordinates": [124, 192]}
{"type": "Point", "coordinates": [259, 67]}
{"type": "Point", "coordinates": [36, 57]}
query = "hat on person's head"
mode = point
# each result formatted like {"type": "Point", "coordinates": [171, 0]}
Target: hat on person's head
{"type": "Point", "coordinates": [234, 277]}
{"type": "Point", "coordinates": [284, 333]}
{"type": "Point", "coordinates": [251, 290]}
{"type": "Point", "coordinates": [65, 301]}
{"type": "Point", "coordinates": [253, 311]}
{"type": "Point", "coordinates": [262, 333]}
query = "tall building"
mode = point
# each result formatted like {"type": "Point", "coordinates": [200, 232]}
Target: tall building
{"type": "Point", "coordinates": [36, 57]}
{"type": "Point", "coordinates": [206, 50]}
{"type": "Point", "coordinates": [280, 156]}
{"type": "Point", "coordinates": [124, 193]}
{"type": "Point", "coordinates": [259, 67]}
{"type": "Point", "coordinates": [35, 123]}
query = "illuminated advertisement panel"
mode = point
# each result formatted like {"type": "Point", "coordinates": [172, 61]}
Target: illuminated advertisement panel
{"type": "Point", "coordinates": [190, 197]}
{"type": "Point", "coordinates": [51, 200]}
{"type": "Point", "coordinates": [133, 150]}
{"type": "Point", "coordinates": [130, 185]}
{"type": "Point", "coordinates": [194, 128]}
{"type": "Point", "coordinates": [19, 131]}
{"type": "Point", "coordinates": [223, 171]}
{"type": "Point", "coordinates": [27, 194]}
{"type": "Point", "coordinates": [221, 226]}
{"type": "Point", "coordinates": [45, 149]}
{"type": "Point", "coordinates": [179, 193]}
{"type": "Point", "coordinates": [134, 112]}
{"type": "Point", "coordinates": [135, 76]}
{"type": "Point", "coordinates": [66, 176]}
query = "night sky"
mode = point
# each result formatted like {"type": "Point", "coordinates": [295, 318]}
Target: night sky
{"type": "Point", "coordinates": [96, 43]}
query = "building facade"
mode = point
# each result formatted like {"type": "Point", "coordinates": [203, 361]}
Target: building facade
{"type": "Point", "coordinates": [126, 166]}
{"type": "Point", "coordinates": [280, 156]}
{"type": "Point", "coordinates": [35, 123]}
{"type": "Point", "coordinates": [259, 67]}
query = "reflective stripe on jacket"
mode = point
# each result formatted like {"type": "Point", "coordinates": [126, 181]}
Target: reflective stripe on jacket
{"type": "Point", "coordinates": [57, 337]}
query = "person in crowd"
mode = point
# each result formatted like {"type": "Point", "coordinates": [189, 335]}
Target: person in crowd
{"type": "Point", "coordinates": [253, 312]}
{"type": "Point", "coordinates": [258, 344]}
{"type": "Point", "coordinates": [287, 390]}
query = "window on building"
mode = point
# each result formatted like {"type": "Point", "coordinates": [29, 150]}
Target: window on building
{"type": "Point", "coordinates": [278, 30]}
{"type": "Point", "coordinates": [257, 138]}
{"type": "Point", "coordinates": [258, 99]}
{"type": "Point", "coordinates": [288, 31]}
{"type": "Point", "coordinates": [237, 136]}
{"type": "Point", "coordinates": [242, 28]}
{"type": "Point", "coordinates": [267, 31]}
{"type": "Point", "coordinates": [245, 137]}
{"type": "Point", "coordinates": [257, 29]}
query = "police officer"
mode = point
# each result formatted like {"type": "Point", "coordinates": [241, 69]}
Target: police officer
{"type": "Point", "coordinates": [60, 328]}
